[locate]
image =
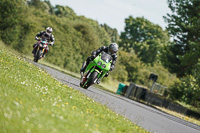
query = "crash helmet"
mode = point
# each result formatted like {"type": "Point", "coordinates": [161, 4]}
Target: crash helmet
{"type": "Point", "coordinates": [49, 30]}
{"type": "Point", "coordinates": [113, 48]}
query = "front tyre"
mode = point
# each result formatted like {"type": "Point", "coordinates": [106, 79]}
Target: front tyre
{"type": "Point", "coordinates": [40, 53]}
{"type": "Point", "coordinates": [36, 57]}
{"type": "Point", "coordinates": [91, 80]}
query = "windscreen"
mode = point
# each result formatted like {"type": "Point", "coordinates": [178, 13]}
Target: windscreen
{"type": "Point", "coordinates": [106, 57]}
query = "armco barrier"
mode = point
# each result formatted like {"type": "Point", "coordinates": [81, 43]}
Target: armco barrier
{"type": "Point", "coordinates": [154, 99]}
{"type": "Point", "coordinates": [133, 91]}
{"type": "Point", "coordinates": [141, 93]}
{"type": "Point", "coordinates": [176, 107]}
{"type": "Point", "coordinates": [192, 114]}
{"type": "Point", "coordinates": [137, 92]}
{"type": "Point", "coordinates": [130, 89]}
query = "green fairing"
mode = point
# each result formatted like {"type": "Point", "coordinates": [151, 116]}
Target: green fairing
{"type": "Point", "coordinates": [93, 66]}
{"type": "Point", "coordinates": [95, 63]}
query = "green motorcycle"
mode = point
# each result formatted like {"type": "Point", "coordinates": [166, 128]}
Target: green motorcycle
{"type": "Point", "coordinates": [96, 70]}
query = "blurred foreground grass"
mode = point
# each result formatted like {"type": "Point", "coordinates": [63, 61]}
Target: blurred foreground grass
{"type": "Point", "coordinates": [33, 101]}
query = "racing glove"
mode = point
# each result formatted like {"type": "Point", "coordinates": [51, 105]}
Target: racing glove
{"type": "Point", "coordinates": [111, 68]}
{"type": "Point", "coordinates": [36, 38]}
{"type": "Point", "coordinates": [50, 44]}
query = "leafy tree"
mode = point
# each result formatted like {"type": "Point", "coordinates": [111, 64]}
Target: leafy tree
{"type": "Point", "coordinates": [10, 13]}
{"type": "Point", "coordinates": [111, 32]}
{"type": "Point", "coordinates": [184, 26]}
{"type": "Point", "coordinates": [66, 11]}
{"type": "Point", "coordinates": [51, 8]}
{"type": "Point", "coordinates": [187, 90]}
{"type": "Point", "coordinates": [45, 5]}
{"type": "Point", "coordinates": [12, 22]}
{"type": "Point", "coordinates": [182, 55]}
{"type": "Point", "coordinates": [143, 38]}
{"type": "Point", "coordinates": [89, 37]}
{"type": "Point", "coordinates": [131, 64]}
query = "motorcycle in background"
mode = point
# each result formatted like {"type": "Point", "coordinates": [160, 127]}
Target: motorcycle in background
{"type": "Point", "coordinates": [41, 47]}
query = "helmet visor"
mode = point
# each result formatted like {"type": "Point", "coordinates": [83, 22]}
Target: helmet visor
{"type": "Point", "coordinates": [48, 31]}
{"type": "Point", "coordinates": [112, 51]}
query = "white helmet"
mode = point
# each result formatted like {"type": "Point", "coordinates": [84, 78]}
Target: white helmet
{"type": "Point", "coordinates": [113, 48]}
{"type": "Point", "coordinates": [49, 30]}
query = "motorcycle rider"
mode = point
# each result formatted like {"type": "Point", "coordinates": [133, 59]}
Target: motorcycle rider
{"type": "Point", "coordinates": [44, 34]}
{"type": "Point", "coordinates": [111, 49]}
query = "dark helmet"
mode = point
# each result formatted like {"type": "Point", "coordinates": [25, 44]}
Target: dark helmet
{"type": "Point", "coordinates": [49, 30]}
{"type": "Point", "coordinates": [113, 48]}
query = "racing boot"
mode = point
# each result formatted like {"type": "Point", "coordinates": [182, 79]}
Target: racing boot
{"type": "Point", "coordinates": [98, 81]}
{"type": "Point", "coordinates": [107, 74]}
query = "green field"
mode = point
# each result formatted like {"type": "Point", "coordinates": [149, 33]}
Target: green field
{"type": "Point", "coordinates": [33, 101]}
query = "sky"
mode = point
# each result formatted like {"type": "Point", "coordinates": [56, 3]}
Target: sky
{"type": "Point", "coordinates": [114, 12]}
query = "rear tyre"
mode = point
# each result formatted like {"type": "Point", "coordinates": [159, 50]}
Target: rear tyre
{"type": "Point", "coordinates": [92, 78]}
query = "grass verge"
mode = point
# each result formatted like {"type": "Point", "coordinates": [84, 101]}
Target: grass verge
{"type": "Point", "coordinates": [33, 101]}
{"type": "Point", "coordinates": [182, 116]}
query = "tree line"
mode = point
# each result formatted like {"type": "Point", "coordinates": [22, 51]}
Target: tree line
{"type": "Point", "coordinates": [145, 47]}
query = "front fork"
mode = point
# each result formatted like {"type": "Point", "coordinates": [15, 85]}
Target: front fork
{"type": "Point", "coordinates": [85, 76]}
{"type": "Point", "coordinates": [100, 76]}
{"type": "Point", "coordinates": [38, 48]}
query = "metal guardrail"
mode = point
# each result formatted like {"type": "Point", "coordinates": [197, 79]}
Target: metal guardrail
{"type": "Point", "coordinates": [136, 92]}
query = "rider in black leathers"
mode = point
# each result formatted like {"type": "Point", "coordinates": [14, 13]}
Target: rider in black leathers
{"type": "Point", "coordinates": [44, 34]}
{"type": "Point", "coordinates": [111, 49]}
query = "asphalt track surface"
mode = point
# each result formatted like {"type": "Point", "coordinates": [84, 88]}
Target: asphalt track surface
{"type": "Point", "coordinates": [149, 118]}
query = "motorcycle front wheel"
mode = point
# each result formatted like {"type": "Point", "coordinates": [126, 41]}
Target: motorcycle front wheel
{"type": "Point", "coordinates": [38, 55]}
{"type": "Point", "coordinates": [91, 79]}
